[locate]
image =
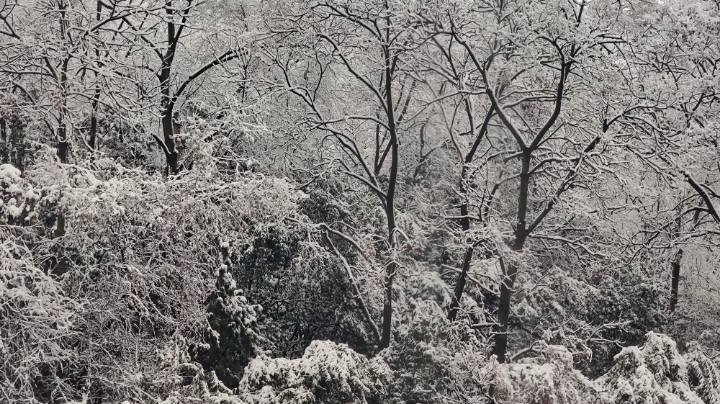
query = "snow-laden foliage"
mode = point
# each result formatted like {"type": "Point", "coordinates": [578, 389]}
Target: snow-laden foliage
{"type": "Point", "coordinates": [587, 317]}
{"type": "Point", "coordinates": [37, 329]}
{"type": "Point", "coordinates": [23, 202]}
{"type": "Point", "coordinates": [657, 373]}
{"type": "Point", "coordinates": [188, 381]}
{"type": "Point", "coordinates": [703, 374]}
{"type": "Point", "coordinates": [432, 360]}
{"type": "Point", "coordinates": [232, 338]}
{"type": "Point", "coordinates": [11, 185]}
{"type": "Point", "coordinates": [548, 379]}
{"type": "Point", "coordinates": [326, 373]}
{"type": "Point", "coordinates": [146, 255]}
{"type": "Point", "coordinates": [653, 373]}
{"type": "Point", "coordinates": [37, 318]}
{"type": "Point", "coordinates": [138, 261]}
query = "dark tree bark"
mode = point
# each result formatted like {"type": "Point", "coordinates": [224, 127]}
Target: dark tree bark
{"type": "Point", "coordinates": [92, 136]}
{"type": "Point", "coordinates": [93, 128]}
{"type": "Point", "coordinates": [465, 215]}
{"type": "Point", "coordinates": [63, 144]}
{"type": "Point", "coordinates": [390, 195]}
{"type": "Point", "coordinates": [521, 233]}
{"type": "Point", "coordinates": [166, 102]}
{"type": "Point", "coordinates": [168, 97]}
{"type": "Point", "coordinates": [460, 284]}
{"type": "Point", "coordinates": [675, 266]}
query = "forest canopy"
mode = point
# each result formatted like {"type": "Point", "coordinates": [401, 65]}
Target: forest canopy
{"type": "Point", "coordinates": [369, 201]}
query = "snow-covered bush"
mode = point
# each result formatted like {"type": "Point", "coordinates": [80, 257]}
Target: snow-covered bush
{"type": "Point", "coordinates": [432, 360]}
{"type": "Point", "coordinates": [24, 202]}
{"type": "Point", "coordinates": [141, 256]}
{"type": "Point", "coordinates": [231, 337]}
{"type": "Point", "coordinates": [656, 373]}
{"type": "Point", "coordinates": [703, 374]}
{"type": "Point", "coordinates": [186, 381]}
{"type": "Point", "coordinates": [590, 318]}
{"type": "Point", "coordinates": [17, 148]}
{"type": "Point", "coordinates": [327, 373]}
{"type": "Point", "coordinates": [37, 318]}
{"type": "Point", "coordinates": [420, 356]}
{"type": "Point", "coordinates": [304, 292]}
{"type": "Point", "coordinates": [145, 253]}
{"type": "Point", "coordinates": [547, 379]}
{"type": "Point", "coordinates": [37, 330]}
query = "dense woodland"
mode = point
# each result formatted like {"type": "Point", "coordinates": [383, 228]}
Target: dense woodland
{"type": "Point", "coordinates": [366, 201]}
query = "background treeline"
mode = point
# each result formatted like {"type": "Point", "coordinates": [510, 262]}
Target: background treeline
{"type": "Point", "coordinates": [243, 201]}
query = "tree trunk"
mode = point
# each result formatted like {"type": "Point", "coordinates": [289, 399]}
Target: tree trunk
{"type": "Point", "coordinates": [93, 131]}
{"type": "Point", "coordinates": [675, 266]}
{"type": "Point", "coordinates": [167, 118]}
{"type": "Point", "coordinates": [63, 146]}
{"type": "Point", "coordinates": [96, 98]}
{"type": "Point", "coordinates": [167, 103]}
{"type": "Point", "coordinates": [3, 130]}
{"type": "Point", "coordinates": [460, 285]}
{"type": "Point", "coordinates": [462, 277]}
{"type": "Point", "coordinates": [465, 215]}
{"type": "Point", "coordinates": [390, 197]}
{"type": "Point", "coordinates": [62, 128]}
{"type": "Point", "coordinates": [392, 267]}
{"type": "Point", "coordinates": [501, 337]}
{"type": "Point", "coordinates": [171, 155]}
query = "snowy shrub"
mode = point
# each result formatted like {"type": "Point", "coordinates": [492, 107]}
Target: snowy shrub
{"type": "Point", "coordinates": [327, 373]}
{"type": "Point", "coordinates": [231, 336]}
{"type": "Point", "coordinates": [703, 374]}
{"type": "Point", "coordinates": [146, 253]}
{"type": "Point", "coordinates": [587, 318]}
{"type": "Point", "coordinates": [186, 381]}
{"type": "Point", "coordinates": [626, 298]}
{"type": "Point", "coordinates": [548, 379]}
{"type": "Point", "coordinates": [37, 331]}
{"type": "Point", "coordinates": [23, 202]}
{"type": "Point", "coordinates": [17, 149]}
{"type": "Point", "coordinates": [142, 256]}
{"type": "Point", "coordinates": [420, 355]}
{"type": "Point", "coordinates": [304, 289]}
{"type": "Point", "coordinates": [432, 360]}
{"type": "Point", "coordinates": [655, 373]}
{"type": "Point", "coordinates": [560, 300]}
